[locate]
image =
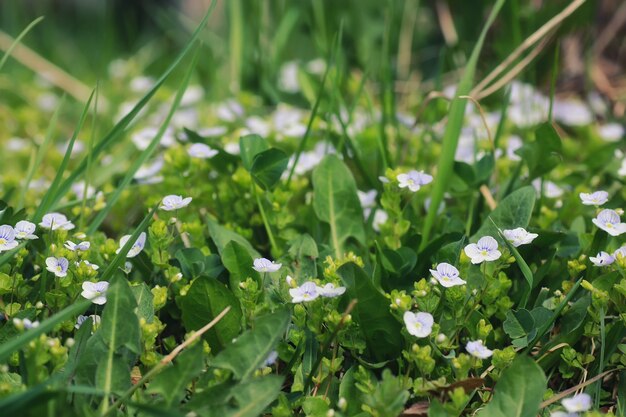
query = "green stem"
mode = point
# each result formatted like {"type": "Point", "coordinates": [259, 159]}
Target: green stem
{"type": "Point", "coordinates": [275, 249]}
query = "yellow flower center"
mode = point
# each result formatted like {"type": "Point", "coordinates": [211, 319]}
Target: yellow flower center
{"type": "Point", "coordinates": [483, 252]}
{"type": "Point", "coordinates": [3, 241]}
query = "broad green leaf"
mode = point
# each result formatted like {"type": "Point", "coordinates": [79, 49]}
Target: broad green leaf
{"type": "Point", "coordinates": [144, 299]}
{"type": "Point", "coordinates": [171, 383]}
{"type": "Point", "coordinates": [544, 153]}
{"type": "Point", "coordinates": [379, 327]}
{"type": "Point", "coordinates": [268, 166]}
{"type": "Point", "coordinates": [349, 391]}
{"type": "Point", "coordinates": [221, 236]}
{"type": "Point", "coordinates": [518, 323]}
{"type": "Point", "coordinates": [205, 299]}
{"type": "Point", "coordinates": [249, 147]}
{"type": "Point", "coordinates": [238, 262]}
{"type": "Point", "coordinates": [304, 252]}
{"type": "Point", "coordinates": [519, 391]}
{"type": "Point", "coordinates": [335, 202]}
{"type": "Point", "coordinates": [513, 211]}
{"type": "Point", "coordinates": [113, 374]}
{"type": "Point", "coordinates": [194, 263]}
{"type": "Point", "coordinates": [120, 325]}
{"type": "Point", "coordinates": [249, 398]}
{"type": "Point", "coordinates": [251, 349]}
{"type": "Point", "coordinates": [437, 410]}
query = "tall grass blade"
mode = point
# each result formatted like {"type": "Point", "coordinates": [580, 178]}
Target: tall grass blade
{"type": "Point", "coordinates": [17, 40]}
{"type": "Point", "coordinates": [453, 129]}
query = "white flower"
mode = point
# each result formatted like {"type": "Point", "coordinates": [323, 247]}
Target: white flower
{"type": "Point", "coordinates": [519, 236]}
{"type": "Point", "coordinates": [579, 402]}
{"type": "Point", "coordinates": [25, 323]}
{"type": "Point", "coordinates": [290, 281]}
{"type": "Point", "coordinates": [418, 324]}
{"type": "Point", "coordinates": [447, 275]}
{"type": "Point", "coordinates": [229, 110]}
{"type": "Point", "coordinates": [7, 238]}
{"type": "Point", "coordinates": [265, 265]}
{"type": "Point", "coordinates": [128, 267]}
{"type": "Point", "coordinates": [477, 349]}
{"type": "Point", "coordinates": [609, 221]}
{"type": "Point", "coordinates": [174, 202]}
{"type": "Point", "coordinates": [305, 292]}
{"type": "Point", "coordinates": [82, 246]}
{"type": "Point", "coordinates": [78, 188]}
{"type": "Point", "coordinates": [550, 189]}
{"type": "Point", "coordinates": [81, 319]}
{"type": "Point", "coordinates": [620, 253]}
{"type": "Point", "coordinates": [413, 180]}
{"type": "Point", "coordinates": [95, 291]}
{"type": "Point", "coordinates": [329, 290]}
{"type": "Point", "coordinates": [572, 112]}
{"type": "Point", "coordinates": [602, 259]}
{"type": "Point", "coordinates": [58, 266]}
{"type": "Point", "coordinates": [594, 199]}
{"type": "Point", "coordinates": [271, 358]}
{"type": "Point", "coordinates": [486, 249]}
{"type": "Point", "coordinates": [380, 218]}
{"type": "Point", "coordinates": [611, 132]}
{"type": "Point", "coordinates": [24, 230]}
{"type": "Point", "coordinates": [54, 221]}
{"type": "Point", "coordinates": [367, 198]}
{"type": "Point", "coordinates": [562, 414]}
{"type": "Point", "coordinates": [288, 79]}
{"type": "Point", "coordinates": [137, 246]}
{"type": "Point", "coordinates": [202, 151]}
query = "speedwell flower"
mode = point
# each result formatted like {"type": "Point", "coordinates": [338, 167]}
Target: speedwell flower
{"type": "Point", "coordinates": [95, 291]}
{"type": "Point", "coordinates": [418, 324]}
{"type": "Point", "coordinates": [447, 275]}
{"type": "Point", "coordinates": [478, 349]}
{"type": "Point", "coordinates": [594, 199]}
{"type": "Point", "coordinates": [202, 151]}
{"type": "Point", "coordinates": [577, 403]}
{"type": "Point", "coordinates": [137, 246]}
{"type": "Point", "coordinates": [519, 236]}
{"type": "Point", "coordinates": [329, 290]}
{"type": "Point", "coordinates": [7, 238]}
{"type": "Point", "coordinates": [174, 202]}
{"type": "Point", "coordinates": [54, 221]}
{"type": "Point", "coordinates": [58, 266]}
{"type": "Point", "coordinates": [82, 246]}
{"type": "Point", "coordinates": [81, 319]}
{"type": "Point", "coordinates": [486, 249]}
{"type": "Point", "coordinates": [413, 180]}
{"type": "Point", "coordinates": [305, 292]}
{"type": "Point", "coordinates": [602, 259]}
{"type": "Point", "coordinates": [609, 221]}
{"type": "Point", "coordinates": [24, 230]}
{"type": "Point", "coordinates": [265, 265]}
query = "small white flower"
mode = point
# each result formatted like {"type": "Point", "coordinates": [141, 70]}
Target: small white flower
{"type": "Point", "coordinates": [202, 151]}
{"type": "Point", "coordinates": [24, 230]}
{"type": "Point", "coordinates": [290, 281]}
{"type": "Point", "coordinates": [380, 218]}
{"type": "Point", "coordinates": [174, 202]}
{"type": "Point", "coordinates": [25, 323]}
{"type": "Point", "coordinates": [305, 292]}
{"type": "Point", "coordinates": [580, 402]}
{"type": "Point", "coordinates": [271, 358]}
{"type": "Point", "coordinates": [413, 180]}
{"type": "Point", "coordinates": [128, 267]}
{"type": "Point", "coordinates": [620, 253]}
{"type": "Point", "coordinates": [478, 349]}
{"type": "Point", "coordinates": [611, 132]}
{"type": "Point", "coordinates": [594, 199]}
{"type": "Point", "coordinates": [602, 259]}
{"type": "Point", "coordinates": [418, 324]}
{"type": "Point", "coordinates": [609, 221]}
{"type": "Point", "coordinates": [58, 266]}
{"type": "Point", "coordinates": [82, 246]}
{"type": "Point", "coordinates": [265, 265]}
{"type": "Point", "coordinates": [486, 249]}
{"type": "Point", "coordinates": [54, 221]}
{"type": "Point", "coordinates": [447, 275]}
{"type": "Point", "coordinates": [137, 246]}
{"type": "Point", "coordinates": [519, 236]}
{"type": "Point", "coordinates": [367, 198]}
{"type": "Point", "coordinates": [81, 319]}
{"type": "Point", "coordinates": [329, 290]}
{"type": "Point", "coordinates": [95, 291]}
{"type": "Point", "coordinates": [7, 238]}
{"type": "Point", "coordinates": [550, 189]}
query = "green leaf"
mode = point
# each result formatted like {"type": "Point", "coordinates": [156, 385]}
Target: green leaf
{"type": "Point", "coordinates": [120, 325]}
{"type": "Point", "coordinates": [194, 263]}
{"type": "Point", "coordinates": [249, 147]}
{"type": "Point", "coordinates": [304, 252]}
{"type": "Point", "coordinates": [172, 381]}
{"type": "Point", "coordinates": [251, 349]}
{"type": "Point", "coordinates": [349, 391]}
{"type": "Point", "coordinates": [437, 410]}
{"type": "Point", "coordinates": [379, 327]}
{"type": "Point", "coordinates": [268, 166]}
{"type": "Point", "coordinates": [335, 202]}
{"type": "Point", "coordinates": [205, 299]}
{"type": "Point", "coordinates": [519, 391]}
{"type": "Point", "coordinates": [513, 211]}
{"type": "Point", "coordinates": [221, 236]}
{"type": "Point", "coordinates": [144, 299]}
{"type": "Point", "coordinates": [518, 323]}
{"type": "Point", "coordinates": [544, 153]}
{"type": "Point", "coordinates": [238, 262]}
{"type": "Point", "coordinates": [251, 398]}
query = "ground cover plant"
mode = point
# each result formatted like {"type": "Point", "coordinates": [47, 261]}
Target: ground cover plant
{"type": "Point", "coordinates": [235, 225]}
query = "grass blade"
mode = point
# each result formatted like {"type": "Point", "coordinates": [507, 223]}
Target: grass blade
{"type": "Point", "coordinates": [17, 40]}
{"type": "Point", "coordinates": [453, 129]}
